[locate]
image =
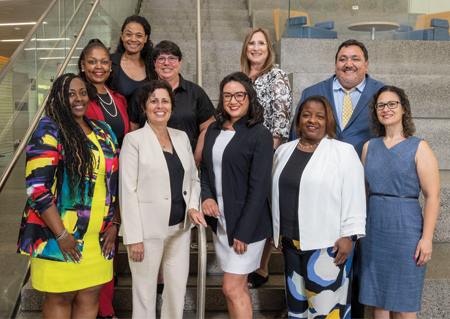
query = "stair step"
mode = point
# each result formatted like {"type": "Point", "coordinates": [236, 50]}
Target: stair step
{"type": "Point", "coordinates": [269, 297]}
{"type": "Point", "coordinates": [204, 5]}
{"type": "Point", "coordinates": [186, 315]}
{"type": "Point", "coordinates": [210, 14]}
{"type": "Point", "coordinates": [175, 37]}
{"type": "Point", "coordinates": [156, 21]}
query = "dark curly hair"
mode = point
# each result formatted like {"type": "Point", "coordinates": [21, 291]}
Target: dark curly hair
{"type": "Point", "coordinates": [329, 115]}
{"type": "Point", "coordinates": [148, 88]}
{"type": "Point", "coordinates": [93, 44]}
{"type": "Point", "coordinates": [376, 128]}
{"type": "Point", "coordinates": [78, 158]}
{"type": "Point", "coordinates": [146, 52]}
{"type": "Point", "coordinates": [255, 110]}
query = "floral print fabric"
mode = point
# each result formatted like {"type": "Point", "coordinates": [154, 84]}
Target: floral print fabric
{"type": "Point", "coordinates": [274, 94]}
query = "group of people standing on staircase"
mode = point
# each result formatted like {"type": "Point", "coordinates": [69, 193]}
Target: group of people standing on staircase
{"type": "Point", "coordinates": [336, 192]}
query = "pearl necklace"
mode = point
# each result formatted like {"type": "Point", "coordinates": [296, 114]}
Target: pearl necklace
{"type": "Point", "coordinates": [311, 146]}
{"type": "Point", "coordinates": [103, 103]}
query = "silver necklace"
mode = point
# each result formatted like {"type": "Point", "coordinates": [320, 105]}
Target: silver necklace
{"type": "Point", "coordinates": [311, 146]}
{"type": "Point", "coordinates": [103, 103]}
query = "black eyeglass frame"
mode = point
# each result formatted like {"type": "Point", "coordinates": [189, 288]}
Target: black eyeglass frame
{"type": "Point", "coordinates": [234, 95]}
{"type": "Point", "coordinates": [381, 106]}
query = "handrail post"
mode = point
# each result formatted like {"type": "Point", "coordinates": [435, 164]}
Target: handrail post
{"type": "Point", "coordinates": [201, 272]}
{"type": "Point", "coordinates": [39, 112]}
{"type": "Point", "coordinates": [199, 46]}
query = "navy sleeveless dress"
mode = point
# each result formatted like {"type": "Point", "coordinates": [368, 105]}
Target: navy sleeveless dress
{"type": "Point", "coordinates": [389, 277]}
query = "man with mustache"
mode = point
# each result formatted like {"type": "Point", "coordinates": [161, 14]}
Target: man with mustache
{"type": "Point", "coordinates": [352, 118]}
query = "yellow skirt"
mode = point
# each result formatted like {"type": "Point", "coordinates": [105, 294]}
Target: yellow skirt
{"type": "Point", "coordinates": [94, 269]}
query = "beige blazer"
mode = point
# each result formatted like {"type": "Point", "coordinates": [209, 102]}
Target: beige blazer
{"type": "Point", "coordinates": [144, 184]}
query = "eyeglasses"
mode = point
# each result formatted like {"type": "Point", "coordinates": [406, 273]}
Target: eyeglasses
{"type": "Point", "coordinates": [172, 59]}
{"type": "Point", "coordinates": [391, 105]}
{"type": "Point", "coordinates": [259, 43]}
{"type": "Point", "coordinates": [238, 96]}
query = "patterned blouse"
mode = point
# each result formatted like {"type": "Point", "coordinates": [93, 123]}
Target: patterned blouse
{"type": "Point", "coordinates": [274, 94]}
{"type": "Point", "coordinates": [47, 183]}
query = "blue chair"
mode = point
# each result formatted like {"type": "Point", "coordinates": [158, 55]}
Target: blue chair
{"type": "Point", "coordinates": [295, 28]}
{"type": "Point", "coordinates": [438, 33]}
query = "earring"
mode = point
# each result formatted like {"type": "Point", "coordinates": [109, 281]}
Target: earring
{"type": "Point", "coordinates": [82, 70]}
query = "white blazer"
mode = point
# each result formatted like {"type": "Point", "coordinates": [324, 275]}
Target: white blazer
{"type": "Point", "coordinates": [332, 199]}
{"type": "Point", "coordinates": [144, 184]}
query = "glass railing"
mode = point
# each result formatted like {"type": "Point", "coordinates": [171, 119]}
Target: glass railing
{"type": "Point", "coordinates": [24, 83]}
{"type": "Point", "coordinates": [363, 20]}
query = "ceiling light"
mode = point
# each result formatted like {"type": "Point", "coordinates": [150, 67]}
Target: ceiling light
{"type": "Point", "coordinates": [12, 40]}
{"type": "Point", "coordinates": [19, 23]}
{"type": "Point", "coordinates": [41, 49]}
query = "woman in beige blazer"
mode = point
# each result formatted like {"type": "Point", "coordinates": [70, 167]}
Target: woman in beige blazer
{"type": "Point", "coordinates": [159, 198]}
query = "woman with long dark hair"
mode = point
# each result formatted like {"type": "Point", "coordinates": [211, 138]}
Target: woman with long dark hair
{"type": "Point", "coordinates": [69, 224]}
{"type": "Point", "coordinates": [132, 63]}
{"type": "Point", "coordinates": [235, 174]}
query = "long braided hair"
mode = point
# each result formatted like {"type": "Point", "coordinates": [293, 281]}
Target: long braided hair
{"type": "Point", "coordinates": [146, 52]}
{"type": "Point", "coordinates": [78, 158]}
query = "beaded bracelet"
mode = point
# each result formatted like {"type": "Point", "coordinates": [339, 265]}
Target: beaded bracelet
{"type": "Point", "coordinates": [62, 235]}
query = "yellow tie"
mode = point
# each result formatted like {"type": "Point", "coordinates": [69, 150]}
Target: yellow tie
{"type": "Point", "coordinates": [347, 109]}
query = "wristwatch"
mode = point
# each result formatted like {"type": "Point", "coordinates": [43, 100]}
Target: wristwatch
{"type": "Point", "coordinates": [353, 238]}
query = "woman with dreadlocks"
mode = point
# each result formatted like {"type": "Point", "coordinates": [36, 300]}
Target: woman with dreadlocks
{"type": "Point", "coordinates": [68, 225]}
{"type": "Point", "coordinates": [132, 63]}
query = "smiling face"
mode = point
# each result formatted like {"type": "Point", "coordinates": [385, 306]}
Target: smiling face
{"type": "Point", "coordinates": [235, 109]}
{"type": "Point", "coordinates": [257, 51]}
{"type": "Point", "coordinates": [78, 98]}
{"type": "Point", "coordinates": [313, 123]}
{"type": "Point", "coordinates": [133, 38]}
{"type": "Point", "coordinates": [351, 66]}
{"type": "Point", "coordinates": [386, 116]}
{"type": "Point", "coordinates": [158, 107]}
{"type": "Point", "coordinates": [167, 71]}
{"type": "Point", "coordinates": [96, 66]}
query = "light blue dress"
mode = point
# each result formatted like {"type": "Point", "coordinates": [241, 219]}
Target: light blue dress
{"type": "Point", "coordinates": [389, 277]}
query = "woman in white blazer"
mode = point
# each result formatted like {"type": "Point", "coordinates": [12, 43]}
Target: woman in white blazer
{"type": "Point", "coordinates": [318, 211]}
{"type": "Point", "coordinates": [159, 198]}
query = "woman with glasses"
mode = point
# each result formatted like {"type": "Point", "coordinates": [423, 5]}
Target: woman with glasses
{"type": "Point", "coordinates": [194, 111]}
{"type": "Point", "coordinates": [235, 174]}
{"type": "Point", "coordinates": [132, 63]}
{"type": "Point", "coordinates": [398, 242]}
{"type": "Point", "coordinates": [274, 94]}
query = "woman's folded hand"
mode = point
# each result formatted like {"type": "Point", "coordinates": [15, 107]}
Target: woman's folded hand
{"type": "Point", "coordinates": [196, 217]}
{"type": "Point", "coordinates": [69, 247]}
{"type": "Point", "coordinates": [210, 208]}
{"type": "Point", "coordinates": [109, 238]}
{"type": "Point", "coordinates": [343, 246]}
{"type": "Point", "coordinates": [137, 252]}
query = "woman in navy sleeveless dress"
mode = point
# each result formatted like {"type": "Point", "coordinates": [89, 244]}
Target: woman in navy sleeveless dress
{"type": "Point", "coordinates": [398, 241]}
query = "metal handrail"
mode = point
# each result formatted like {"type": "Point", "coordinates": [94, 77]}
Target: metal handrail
{"type": "Point", "coordinates": [24, 43]}
{"type": "Point", "coordinates": [201, 239]}
{"type": "Point", "coordinates": [40, 72]}
{"type": "Point", "coordinates": [39, 112]}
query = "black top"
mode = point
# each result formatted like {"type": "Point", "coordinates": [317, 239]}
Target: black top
{"type": "Point", "coordinates": [120, 80]}
{"type": "Point", "coordinates": [246, 174]}
{"type": "Point", "coordinates": [176, 173]}
{"type": "Point", "coordinates": [289, 190]}
{"type": "Point", "coordinates": [192, 108]}
{"type": "Point", "coordinates": [115, 122]}
{"type": "Point", "coordinates": [127, 85]}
